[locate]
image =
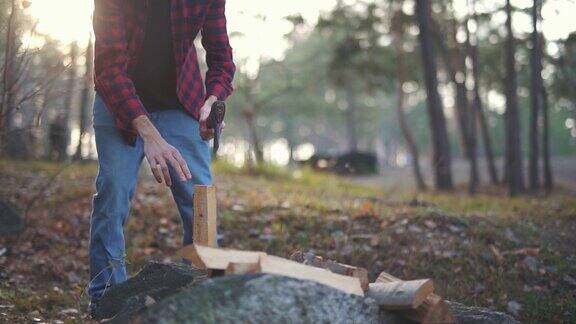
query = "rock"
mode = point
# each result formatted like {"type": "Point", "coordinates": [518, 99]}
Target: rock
{"type": "Point", "coordinates": [532, 263]}
{"type": "Point", "coordinates": [570, 280]}
{"type": "Point", "coordinates": [154, 282]}
{"type": "Point", "coordinates": [10, 220]}
{"type": "Point", "coordinates": [511, 236]}
{"type": "Point", "coordinates": [261, 298]}
{"type": "Point", "coordinates": [477, 315]}
{"type": "Point", "coordinates": [177, 293]}
{"type": "Point", "coordinates": [514, 307]}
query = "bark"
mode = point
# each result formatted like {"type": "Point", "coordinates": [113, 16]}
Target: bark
{"type": "Point", "coordinates": [291, 139]}
{"type": "Point", "coordinates": [69, 100]}
{"type": "Point", "coordinates": [398, 42]}
{"type": "Point", "coordinates": [350, 118]}
{"type": "Point", "coordinates": [254, 138]}
{"type": "Point", "coordinates": [454, 65]}
{"type": "Point", "coordinates": [535, 86]}
{"type": "Point", "coordinates": [440, 143]}
{"type": "Point", "coordinates": [548, 176]}
{"type": "Point", "coordinates": [477, 105]}
{"type": "Point", "coordinates": [86, 101]}
{"type": "Point", "coordinates": [6, 105]}
{"type": "Point", "coordinates": [514, 174]}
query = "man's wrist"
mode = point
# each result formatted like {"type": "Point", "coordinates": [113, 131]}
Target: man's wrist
{"type": "Point", "coordinates": [146, 129]}
{"type": "Point", "coordinates": [212, 99]}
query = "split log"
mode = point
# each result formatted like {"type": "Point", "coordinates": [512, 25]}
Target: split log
{"type": "Point", "coordinates": [347, 270]}
{"type": "Point", "coordinates": [285, 267]}
{"type": "Point", "coordinates": [204, 257]}
{"type": "Point", "coordinates": [310, 258]}
{"type": "Point", "coordinates": [242, 268]}
{"type": "Point", "coordinates": [205, 221]}
{"type": "Point", "coordinates": [433, 310]}
{"type": "Point", "coordinates": [401, 294]}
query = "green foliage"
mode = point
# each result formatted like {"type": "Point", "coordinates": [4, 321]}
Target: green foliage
{"type": "Point", "coordinates": [349, 48]}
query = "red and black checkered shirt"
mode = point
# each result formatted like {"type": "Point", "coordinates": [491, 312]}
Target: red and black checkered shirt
{"type": "Point", "coordinates": [119, 30]}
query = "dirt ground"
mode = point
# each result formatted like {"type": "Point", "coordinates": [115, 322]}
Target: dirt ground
{"type": "Point", "coordinates": [515, 255]}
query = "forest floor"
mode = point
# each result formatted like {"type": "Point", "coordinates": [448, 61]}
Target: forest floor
{"type": "Point", "coordinates": [515, 255]}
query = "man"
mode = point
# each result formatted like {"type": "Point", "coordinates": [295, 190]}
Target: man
{"type": "Point", "coordinates": [151, 102]}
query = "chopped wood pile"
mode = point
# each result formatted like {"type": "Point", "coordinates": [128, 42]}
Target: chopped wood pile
{"type": "Point", "coordinates": [413, 299]}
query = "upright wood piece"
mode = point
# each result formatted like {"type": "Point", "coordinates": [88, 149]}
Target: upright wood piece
{"type": "Point", "coordinates": [433, 310]}
{"type": "Point", "coordinates": [205, 221]}
{"type": "Point", "coordinates": [401, 294]}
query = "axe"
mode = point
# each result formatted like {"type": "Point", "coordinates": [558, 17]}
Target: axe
{"type": "Point", "coordinates": [215, 122]}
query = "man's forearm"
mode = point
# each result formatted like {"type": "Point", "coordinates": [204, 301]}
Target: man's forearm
{"type": "Point", "coordinates": [146, 129]}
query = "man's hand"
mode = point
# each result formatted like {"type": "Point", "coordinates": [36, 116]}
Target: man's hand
{"type": "Point", "coordinates": [159, 153]}
{"type": "Point", "coordinates": [205, 132]}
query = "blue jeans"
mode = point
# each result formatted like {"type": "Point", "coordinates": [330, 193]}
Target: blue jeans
{"type": "Point", "coordinates": [119, 164]}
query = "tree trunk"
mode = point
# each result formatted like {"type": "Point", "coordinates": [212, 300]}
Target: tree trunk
{"type": "Point", "coordinates": [7, 99]}
{"type": "Point", "coordinates": [535, 86]}
{"type": "Point", "coordinates": [398, 42]}
{"type": "Point", "coordinates": [254, 139]}
{"type": "Point", "coordinates": [86, 101]}
{"type": "Point", "coordinates": [454, 65]}
{"type": "Point", "coordinates": [440, 142]}
{"type": "Point", "coordinates": [514, 172]}
{"type": "Point", "coordinates": [69, 100]}
{"type": "Point", "coordinates": [477, 106]}
{"type": "Point", "coordinates": [291, 139]}
{"type": "Point", "coordinates": [349, 114]}
{"type": "Point", "coordinates": [548, 177]}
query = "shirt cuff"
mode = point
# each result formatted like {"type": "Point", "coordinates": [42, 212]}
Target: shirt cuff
{"type": "Point", "coordinates": [130, 110]}
{"type": "Point", "coordinates": [217, 90]}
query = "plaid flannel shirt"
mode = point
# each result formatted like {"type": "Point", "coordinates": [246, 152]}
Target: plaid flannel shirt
{"type": "Point", "coordinates": [119, 30]}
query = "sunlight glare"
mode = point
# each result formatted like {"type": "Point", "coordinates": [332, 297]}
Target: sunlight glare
{"type": "Point", "coordinates": [64, 20]}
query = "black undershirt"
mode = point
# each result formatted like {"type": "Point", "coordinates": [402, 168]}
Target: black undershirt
{"type": "Point", "coordinates": [154, 75]}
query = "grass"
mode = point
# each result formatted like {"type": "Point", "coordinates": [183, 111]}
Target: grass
{"type": "Point", "coordinates": [485, 250]}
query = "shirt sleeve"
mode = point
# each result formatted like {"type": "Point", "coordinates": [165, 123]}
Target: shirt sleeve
{"type": "Point", "coordinates": [111, 63]}
{"type": "Point", "coordinates": [219, 59]}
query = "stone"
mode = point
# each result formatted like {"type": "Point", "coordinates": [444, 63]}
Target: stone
{"type": "Point", "coordinates": [176, 293]}
{"type": "Point", "coordinates": [532, 263]}
{"type": "Point", "coordinates": [514, 307]}
{"type": "Point", "coordinates": [10, 220]}
{"type": "Point", "coordinates": [154, 282]}
{"type": "Point", "coordinates": [477, 315]}
{"type": "Point", "coordinates": [261, 298]}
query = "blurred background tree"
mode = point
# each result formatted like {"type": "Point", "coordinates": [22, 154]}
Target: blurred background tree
{"type": "Point", "coordinates": [423, 85]}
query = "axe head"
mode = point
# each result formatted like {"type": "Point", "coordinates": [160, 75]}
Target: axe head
{"type": "Point", "coordinates": [215, 120]}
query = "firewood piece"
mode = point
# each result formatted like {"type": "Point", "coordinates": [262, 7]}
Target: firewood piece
{"type": "Point", "coordinates": [285, 267]}
{"type": "Point", "coordinates": [401, 294]}
{"type": "Point", "coordinates": [311, 259]}
{"type": "Point", "coordinates": [348, 270]}
{"type": "Point", "coordinates": [386, 277]}
{"type": "Point", "coordinates": [308, 258]}
{"type": "Point", "coordinates": [362, 274]}
{"type": "Point", "coordinates": [204, 227]}
{"type": "Point", "coordinates": [241, 268]}
{"type": "Point", "coordinates": [433, 310]}
{"type": "Point", "coordinates": [204, 257]}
